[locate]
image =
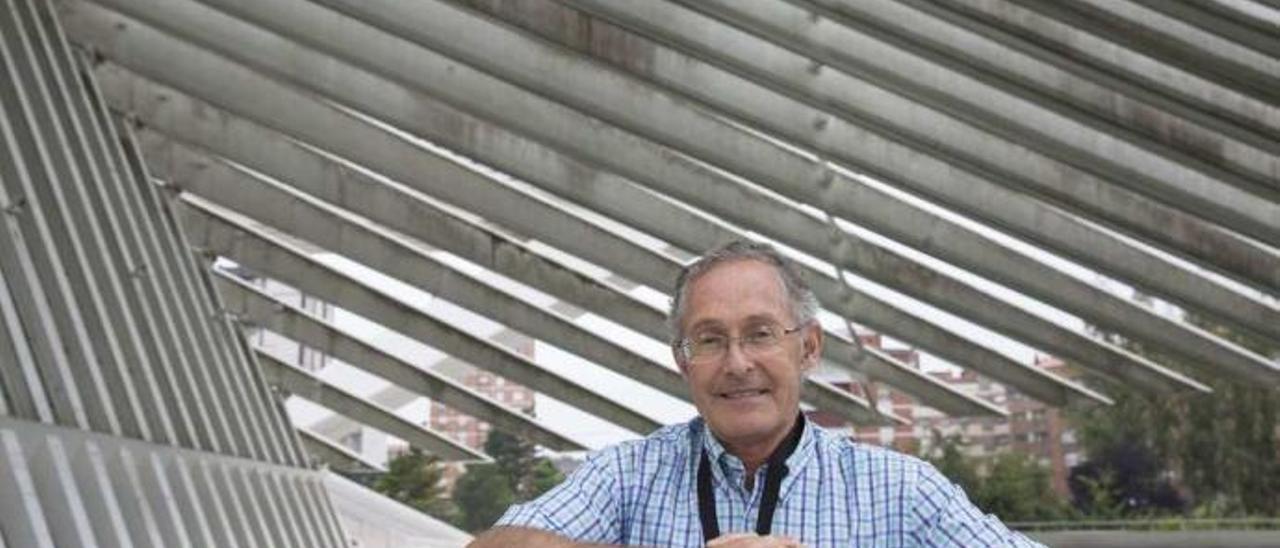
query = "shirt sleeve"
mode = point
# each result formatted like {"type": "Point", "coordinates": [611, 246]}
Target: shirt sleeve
{"type": "Point", "coordinates": [946, 518]}
{"type": "Point", "coordinates": [584, 507]}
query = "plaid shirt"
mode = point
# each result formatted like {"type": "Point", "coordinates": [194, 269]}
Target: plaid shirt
{"type": "Point", "coordinates": [838, 493]}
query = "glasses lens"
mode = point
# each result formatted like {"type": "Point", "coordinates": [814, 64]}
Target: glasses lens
{"type": "Point", "coordinates": [708, 346]}
{"type": "Point", "coordinates": [757, 340]}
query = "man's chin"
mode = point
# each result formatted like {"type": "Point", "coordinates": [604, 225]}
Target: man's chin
{"type": "Point", "coordinates": [744, 427]}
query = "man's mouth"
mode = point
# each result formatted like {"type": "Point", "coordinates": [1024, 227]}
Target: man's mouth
{"type": "Point", "coordinates": [743, 393]}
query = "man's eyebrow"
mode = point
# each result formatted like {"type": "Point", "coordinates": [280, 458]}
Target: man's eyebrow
{"type": "Point", "coordinates": [750, 321]}
{"type": "Point", "coordinates": [756, 319]}
{"type": "Point", "coordinates": [702, 325]}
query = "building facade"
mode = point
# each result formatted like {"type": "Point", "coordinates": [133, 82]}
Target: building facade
{"type": "Point", "coordinates": [1032, 428]}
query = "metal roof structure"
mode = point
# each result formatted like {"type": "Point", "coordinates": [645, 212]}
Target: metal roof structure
{"type": "Point", "coordinates": [951, 153]}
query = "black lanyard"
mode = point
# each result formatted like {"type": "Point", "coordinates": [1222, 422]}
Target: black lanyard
{"type": "Point", "coordinates": [776, 469]}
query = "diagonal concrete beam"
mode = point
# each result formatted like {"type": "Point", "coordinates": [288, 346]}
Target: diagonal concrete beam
{"type": "Point", "coordinates": [1096, 55]}
{"type": "Point", "coordinates": [367, 242]}
{"type": "Point", "coordinates": [822, 394]}
{"type": "Point", "coordinates": [654, 113]}
{"type": "Point", "coordinates": [305, 216]}
{"type": "Point", "coordinates": [1175, 42]}
{"type": "Point", "coordinates": [410, 214]}
{"type": "Point", "coordinates": [313, 219]}
{"type": "Point", "coordinates": [335, 456]}
{"type": "Point", "coordinates": [223, 232]}
{"type": "Point", "coordinates": [302, 384]}
{"type": "Point", "coordinates": [252, 305]}
{"type": "Point", "coordinates": [1230, 20]}
{"type": "Point", "coordinates": [643, 161]}
{"type": "Point", "coordinates": [163, 108]}
{"type": "Point", "coordinates": [1008, 166]}
{"type": "Point", "coordinates": [1181, 133]}
{"type": "Point", "coordinates": [1144, 171]}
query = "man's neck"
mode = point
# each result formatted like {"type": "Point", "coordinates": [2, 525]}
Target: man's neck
{"type": "Point", "coordinates": [755, 454]}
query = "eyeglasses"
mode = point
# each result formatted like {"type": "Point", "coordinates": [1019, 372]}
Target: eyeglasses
{"type": "Point", "coordinates": [712, 346]}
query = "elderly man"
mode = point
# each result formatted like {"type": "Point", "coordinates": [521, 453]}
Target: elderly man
{"type": "Point", "coordinates": [750, 471]}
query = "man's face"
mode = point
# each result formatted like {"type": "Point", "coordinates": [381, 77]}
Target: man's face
{"type": "Point", "coordinates": [747, 398]}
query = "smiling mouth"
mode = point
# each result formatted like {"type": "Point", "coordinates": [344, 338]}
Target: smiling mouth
{"type": "Point", "coordinates": [743, 394]}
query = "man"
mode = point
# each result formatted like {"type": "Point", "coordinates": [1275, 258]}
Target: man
{"type": "Point", "coordinates": [750, 471]}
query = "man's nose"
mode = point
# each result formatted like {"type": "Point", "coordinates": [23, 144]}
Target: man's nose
{"type": "Point", "coordinates": [735, 359]}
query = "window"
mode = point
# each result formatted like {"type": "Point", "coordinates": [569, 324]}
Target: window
{"type": "Point", "coordinates": [310, 359]}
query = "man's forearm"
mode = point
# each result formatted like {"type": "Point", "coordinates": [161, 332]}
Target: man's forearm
{"type": "Point", "coordinates": [505, 537]}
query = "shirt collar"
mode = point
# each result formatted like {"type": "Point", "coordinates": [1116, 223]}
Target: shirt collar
{"type": "Point", "coordinates": [726, 463]}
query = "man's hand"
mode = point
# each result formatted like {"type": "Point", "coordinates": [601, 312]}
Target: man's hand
{"type": "Point", "coordinates": [748, 540]}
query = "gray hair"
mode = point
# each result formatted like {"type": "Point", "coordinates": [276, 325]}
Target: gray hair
{"type": "Point", "coordinates": [803, 303]}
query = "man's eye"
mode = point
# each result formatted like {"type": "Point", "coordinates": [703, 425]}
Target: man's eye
{"type": "Point", "coordinates": [759, 335]}
{"type": "Point", "coordinates": [709, 340]}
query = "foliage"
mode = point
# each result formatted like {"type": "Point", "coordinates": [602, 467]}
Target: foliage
{"type": "Point", "coordinates": [1123, 480]}
{"type": "Point", "coordinates": [482, 495]}
{"type": "Point", "coordinates": [516, 475]}
{"type": "Point", "coordinates": [1017, 488]}
{"type": "Point", "coordinates": [1014, 486]}
{"type": "Point", "coordinates": [1220, 450]}
{"type": "Point", "coordinates": [953, 463]}
{"type": "Point", "coordinates": [413, 478]}
{"type": "Point", "coordinates": [543, 477]}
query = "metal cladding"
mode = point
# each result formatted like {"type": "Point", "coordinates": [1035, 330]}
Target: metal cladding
{"type": "Point", "coordinates": [134, 414]}
{"type": "Point", "coordinates": [951, 155]}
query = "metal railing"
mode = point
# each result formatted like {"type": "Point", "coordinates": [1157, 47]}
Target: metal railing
{"type": "Point", "coordinates": [1156, 524]}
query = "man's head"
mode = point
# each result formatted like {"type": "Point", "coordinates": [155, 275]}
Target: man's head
{"type": "Point", "coordinates": [744, 333]}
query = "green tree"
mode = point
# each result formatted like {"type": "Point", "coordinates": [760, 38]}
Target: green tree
{"type": "Point", "coordinates": [481, 495]}
{"type": "Point", "coordinates": [413, 478]}
{"type": "Point", "coordinates": [543, 477]}
{"type": "Point", "coordinates": [1218, 449]}
{"type": "Point", "coordinates": [1017, 488]}
{"type": "Point", "coordinates": [952, 462]}
{"type": "Point", "coordinates": [516, 475]}
{"type": "Point", "coordinates": [1013, 486]}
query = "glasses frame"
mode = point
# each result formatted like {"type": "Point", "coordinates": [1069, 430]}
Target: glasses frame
{"type": "Point", "coordinates": [685, 346]}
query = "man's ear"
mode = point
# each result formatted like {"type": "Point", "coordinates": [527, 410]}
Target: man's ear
{"type": "Point", "coordinates": [811, 346]}
{"type": "Point", "coordinates": [680, 365]}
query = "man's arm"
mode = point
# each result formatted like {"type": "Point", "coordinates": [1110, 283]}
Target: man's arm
{"type": "Point", "coordinates": [505, 537]}
{"type": "Point", "coordinates": [580, 511]}
{"type": "Point", "coordinates": [946, 517]}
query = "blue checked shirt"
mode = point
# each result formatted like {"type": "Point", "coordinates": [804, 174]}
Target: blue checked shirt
{"type": "Point", "coordinates": [838, 493]}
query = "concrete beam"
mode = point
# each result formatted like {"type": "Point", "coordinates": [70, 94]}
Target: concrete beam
{"type": "Point", "coordinates": [1188, 134]}
{"type": "Point", "coordinates": [362, 240]}
{"type": "Point", "coordinates": [643, 162]}
{"type": "Point", "coordinates": [658, 115]}
{"type": "Point", "coordinates": [302, 384]}
{"type": "Point", "coordinates": [417, 216]}
{"type": "Point", "coordinates": [820, 394]}
{"type": "Point", "coordinates": [335, 456]}
{"type": "Point", "coordinates": [1146, 172]}
{"type": "Point", "coordinates": [300, 214]}
{"type": "Point", "coordinates": [217, 230]}
{"type": "Point", "coordinates": [857, 104]}
{"type": "Point", "coordinates": [365, 241]}
{"type": "Point", "coordinates": [1176, 43]}
{"type": "Point", "coordinates": [252, 305]}
{"type": "Point", "coordinates": [172, 112]}
{"type": "Point", "coordinates": [1228, 19]}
